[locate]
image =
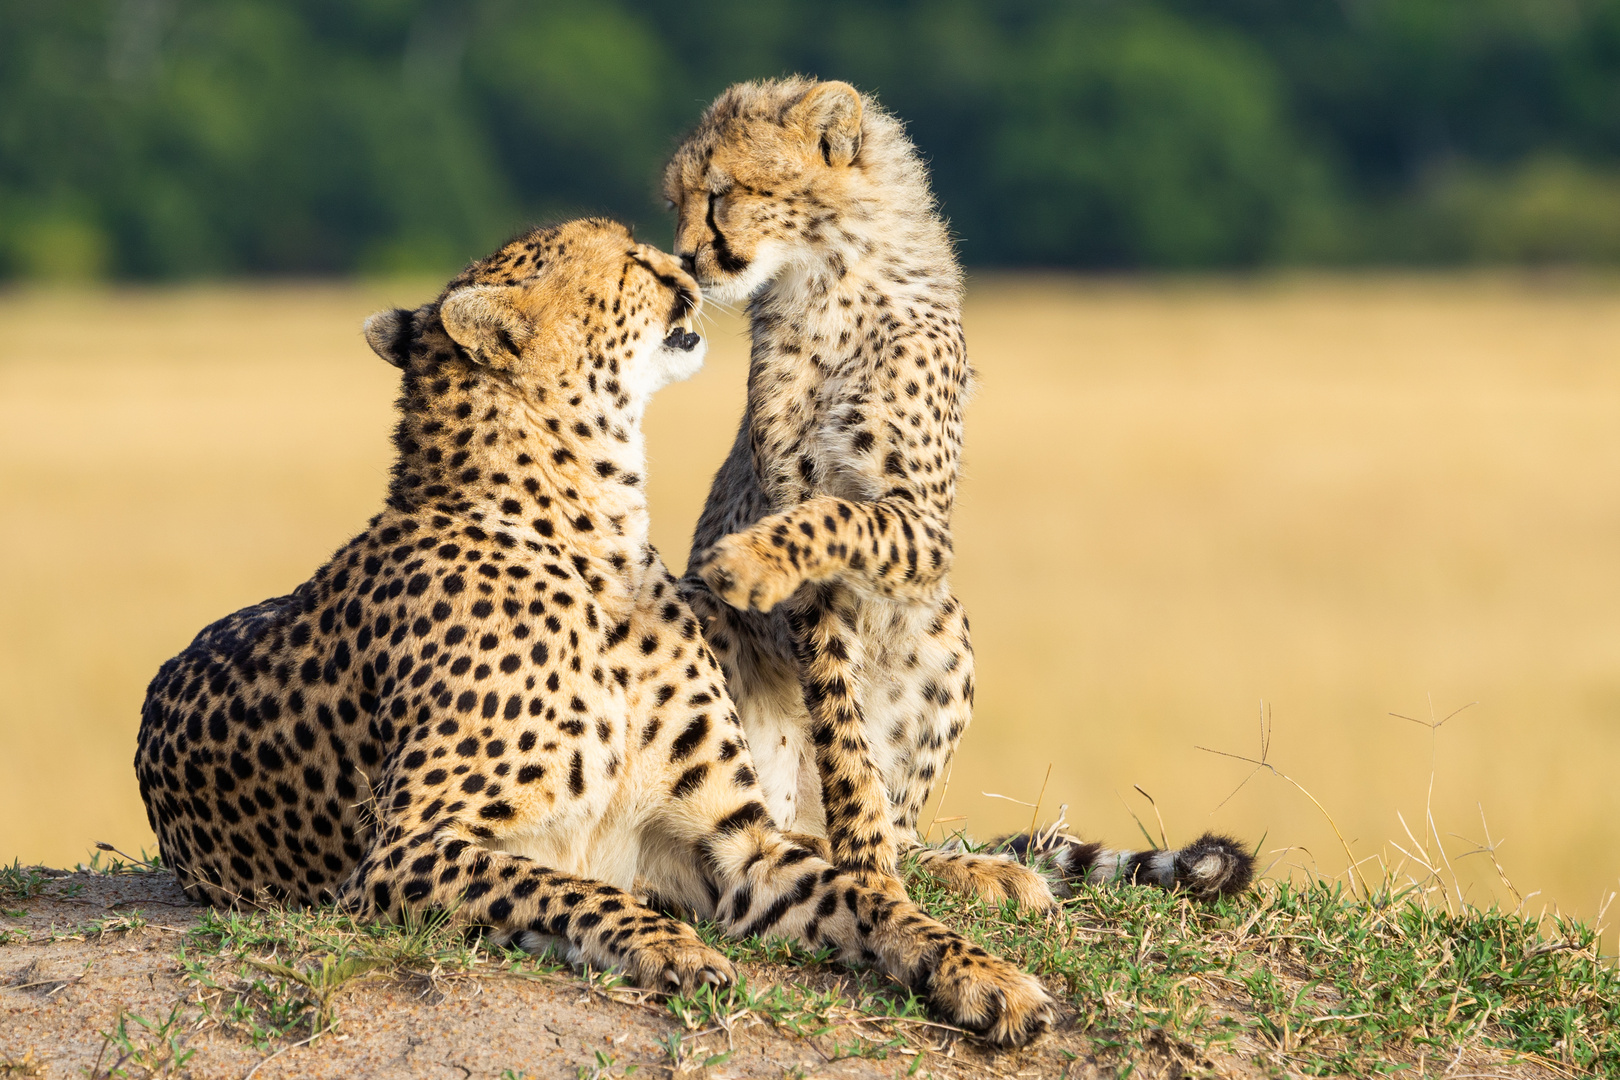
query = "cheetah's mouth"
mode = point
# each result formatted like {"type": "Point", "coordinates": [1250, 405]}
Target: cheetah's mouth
{"type": "Point", "coordinates": [681, 335]}
{"type": "Point", "coordinates": [683, 338]}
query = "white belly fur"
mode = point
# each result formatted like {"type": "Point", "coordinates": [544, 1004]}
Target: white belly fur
{"type": "Point", "coordinates": [607, 850]}
{"type": "Point", "coordinates": [774, 719]}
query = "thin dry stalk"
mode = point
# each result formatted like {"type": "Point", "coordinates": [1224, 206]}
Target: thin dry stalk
{"type": "Point", "coordinates": [945, 789]}
{"type": "Point", "coordinates": [1431, 830]}
{"type": "Point", "coordinates": [102, 845]}
{"type": "Point", "coordinates": [1006, 798]}
{"type": "Point", "coordinates": [1423, 858]}
{"type": "Point", "coordinates": [290, 1046]}
{"type": "Point", "coordinates": [1141, 828]}
{"type": "Point", "coordinates": [1035, 817]}
{"type": "Point", "coordinates": [1354, 869]}
{"type": "Point", "coordinates": [1489, 848]}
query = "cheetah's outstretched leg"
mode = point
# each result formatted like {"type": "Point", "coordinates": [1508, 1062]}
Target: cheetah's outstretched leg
{"type": "Point", "coordinates": [766, 885]}
{"type": "Point", "coordinates": [444, 867]}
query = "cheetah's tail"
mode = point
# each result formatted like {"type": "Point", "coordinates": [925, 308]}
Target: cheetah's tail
{"type": "Point", "coordinates": [1211, 866]}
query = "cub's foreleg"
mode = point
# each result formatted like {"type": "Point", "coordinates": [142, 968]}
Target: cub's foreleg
{"type": "Point", "coordinates": [860, 831]}
{"type": "Point", "coordinates": [886, 546]}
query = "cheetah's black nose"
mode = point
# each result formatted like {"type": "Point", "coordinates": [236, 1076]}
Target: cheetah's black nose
{"type": "Point", "coordinates": [689, 263]}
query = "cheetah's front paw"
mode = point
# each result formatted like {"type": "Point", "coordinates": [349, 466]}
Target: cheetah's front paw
{"type": "Point", "coordinates": [986, 994]}
{"type": "Point", "coordinates": [747, 574]}
{"type": "Point", "coordinates": [679, 963]}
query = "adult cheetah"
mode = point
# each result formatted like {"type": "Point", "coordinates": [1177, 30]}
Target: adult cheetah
{"type": "Point", "coordinates": [493, 700]}
{"type": "Point", "coordinates": [821, 562]}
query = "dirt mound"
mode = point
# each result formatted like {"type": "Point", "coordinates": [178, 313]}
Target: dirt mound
{"type": "Point", "coordinates": [121, 975]}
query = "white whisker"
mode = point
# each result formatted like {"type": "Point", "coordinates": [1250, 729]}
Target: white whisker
{"type": "Point", "coordinates": [729, 309]}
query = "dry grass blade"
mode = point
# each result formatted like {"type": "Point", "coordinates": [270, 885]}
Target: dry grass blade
{"type": "Point", "coordinates": [1140, 827]}
{"type": "Point", "coordinates": [1007, 798]}
{"type": "Point", "coordinates": [1035, 815]}
{"type": "Point", "coordinates": [939, 804]}
{"type": "Point", "coordinates": [1164, 836]}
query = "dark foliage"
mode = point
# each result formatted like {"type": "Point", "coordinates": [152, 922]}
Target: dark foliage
{"type": "Point", "coordinates": [167, 138]}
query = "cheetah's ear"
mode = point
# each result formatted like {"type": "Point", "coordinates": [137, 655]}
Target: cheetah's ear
{"type": "Point", "coordinates": [484, 320]}
{"type": "Point", "coordinates": [390, 334]}
{"type": "Point", "coordinates": [830, 115]}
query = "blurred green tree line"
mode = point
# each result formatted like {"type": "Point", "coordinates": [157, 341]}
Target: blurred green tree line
{"type": "Point", "coordinates": [183, 138]}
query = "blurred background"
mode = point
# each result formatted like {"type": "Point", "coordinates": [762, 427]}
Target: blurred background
{"type": "Point", "coordinates": [1298, 323]}
{"type": "Point", "coordinates": [186, 139]}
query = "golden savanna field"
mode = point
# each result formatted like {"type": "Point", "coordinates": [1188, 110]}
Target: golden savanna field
{"type": "Point", "coordinates": [1345, 497]}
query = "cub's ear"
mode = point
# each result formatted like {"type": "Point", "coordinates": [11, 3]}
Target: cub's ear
{"type": "Point", "coordinates": [484, 320]}
{"type": "Point", "coordinates": [390, 334]}
{"type": "Point", "coordinates": [830, 115]}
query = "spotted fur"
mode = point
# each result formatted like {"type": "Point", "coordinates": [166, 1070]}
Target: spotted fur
{"type": "Point", "coordinates": [494, 701]}
{"type": "Point", "coordinates": [822, 559]}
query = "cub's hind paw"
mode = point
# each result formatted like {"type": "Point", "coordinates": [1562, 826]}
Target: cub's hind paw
{"type": "Point", "coordinates": [993, 878]}
{"type": "Point", "coordinates": [677, 963]}
{"type": "Point", "coordinates": [989, 996]}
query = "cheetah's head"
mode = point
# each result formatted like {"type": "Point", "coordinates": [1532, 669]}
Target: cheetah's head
{"type": "Point", "coordinates": [580, 307]}
{"type": "Point", "coordinates": [771, 165]}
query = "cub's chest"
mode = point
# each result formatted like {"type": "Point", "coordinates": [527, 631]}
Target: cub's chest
{"type": "Point", "coordinates": [797, 400]}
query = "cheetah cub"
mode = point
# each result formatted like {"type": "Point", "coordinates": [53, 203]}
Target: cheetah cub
{"type": "Point", "coordinates": [821, 562]}
{"type": "Point", "coordinates": [493, 700]}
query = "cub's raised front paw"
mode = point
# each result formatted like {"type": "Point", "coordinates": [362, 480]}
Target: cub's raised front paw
{"type": "Point", "coordinates": [748, 574]}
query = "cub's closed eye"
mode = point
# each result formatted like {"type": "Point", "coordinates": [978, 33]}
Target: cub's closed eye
{"type": "Point", "coordinates": [669, 204]}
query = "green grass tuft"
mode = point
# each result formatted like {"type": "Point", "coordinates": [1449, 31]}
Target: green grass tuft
{"type": "Point", "coordinates": [19, 882]}
{"type": "Point", "coordinates": [1310, 979]}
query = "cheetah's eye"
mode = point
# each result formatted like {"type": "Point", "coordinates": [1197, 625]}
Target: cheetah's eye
{"type": "Point", "coordinates": [669, 204]}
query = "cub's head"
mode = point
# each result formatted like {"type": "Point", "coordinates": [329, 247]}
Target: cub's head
{"type": "Point", "coordinates": [580, 308]}
{"type": "Point", "coordinates": [772, 168]}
